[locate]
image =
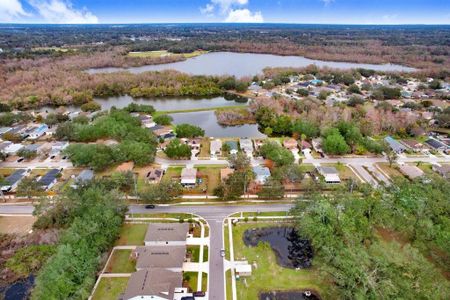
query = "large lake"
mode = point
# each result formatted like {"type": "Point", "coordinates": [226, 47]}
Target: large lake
{"type": "Point", "coordinates": [160, 104]}
{"type": "Point", "coordinates": [245, 64]}
{"type": "Point", "coordinates": [207, 120]}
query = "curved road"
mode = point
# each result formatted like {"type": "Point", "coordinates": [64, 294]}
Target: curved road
{"type": "Point", "coordinates": [213, 214]}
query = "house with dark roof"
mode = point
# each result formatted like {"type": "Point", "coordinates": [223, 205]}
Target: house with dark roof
{"type": "Point", "coordinates": [436, 145]}
{"type": "Point", "coordinates": [84, 177]}
{"type": "Point", "coordinates": [155, 284]}
{"type": "Point", "coordinates": [167, 257]}
{"type": "Point", "coordinates": [47, 181]}
{"type": "Point", "coordinates": [12, 181]}
{"type": "Point", "coordinates": [413, 145]}
{"type": "Point", "coordinates": [173, 234]}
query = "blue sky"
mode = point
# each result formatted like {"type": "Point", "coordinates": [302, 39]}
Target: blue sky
{"type": "Point", "coordinates": [281, 11]}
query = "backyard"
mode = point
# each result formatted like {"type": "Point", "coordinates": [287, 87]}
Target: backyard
{"type": "Point", "coordinates": [262, 278]}
{"type": "Point", "coordinates": [110, 288]}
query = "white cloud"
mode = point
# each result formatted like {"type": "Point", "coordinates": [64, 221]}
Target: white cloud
{"type": "Point", "coordinates": [244, 16]}
{"type": "Point", "coordinates": [226, 5]}
{"type": "Point", "coordinates": [62, 12]}
{"type": "Point", "coordinates": [232, 10]}
{"type": "Point", "coordinates": [10, 10]}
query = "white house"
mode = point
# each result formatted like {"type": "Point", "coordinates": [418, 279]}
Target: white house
{"type": "Point", "coordinates": [215, 148]}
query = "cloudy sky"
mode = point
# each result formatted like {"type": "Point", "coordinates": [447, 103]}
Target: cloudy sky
{"type": "Point", "coordinates": [281, 11]}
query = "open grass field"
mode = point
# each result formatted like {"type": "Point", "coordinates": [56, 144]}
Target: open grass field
{"type": "Point", "coordinates": [110, 288]}
{"type": "Point", "coordinates": [392, 172]}
{"type": "Point", "coordinates": [132, 234]}
{"type": "Point", "coordinates": [163, 53]}
{"type": "Point", "coordinates": [121, 262]}
{"type": "Point", "coordinates": [268, 275]}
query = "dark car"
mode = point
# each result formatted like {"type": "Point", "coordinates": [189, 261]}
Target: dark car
{"type": "Point", "coordinates": [150, 206]}
{"type": "Point", "coordinates": [187, 298]}
{"type": "Point", "coordinates": [199, 294]}
{"type": "Point", "coordinates": [20, 159]}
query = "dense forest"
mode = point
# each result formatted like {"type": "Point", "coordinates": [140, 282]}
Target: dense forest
{"type": "Point", "coordinates": [419, 46]}
{"type": "Point", "coordinates": [391, 243]}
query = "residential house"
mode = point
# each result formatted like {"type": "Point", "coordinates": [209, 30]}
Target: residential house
{"type": "Point", "coordinates": [82, 178]}
{"type": "Point", "coordinates": [411, 172]}
{"type": "Point", "coordinates": [166, 234]}
{"type": "Point", "coordinates": [57, 147]}
{"type": "Point", "coordinates": [147, 121]}
{"type": "Point", "coordinates": [290, 144]}
{"type": "Point", "coordinates": [443, 170]}
{"type": "Point", "coordinates": [215, 148]}
{"type": "Point", "coordinates": [413, 145]}
{"type": "Point", "coordinates": [258, 143]}
{"type": "Point", "coordinates": [246, 145]}
{"type": "Point", "coordinates": [170, 258]}
{"type": "Point", "coordinates": [188, 177]}
{"type": "Point", "coordinates": [4, 130]}
{"type": "Point", "coordinates": [163, 132]}
{"type": "Point", "coordinates": [125, 167]}
{"type": "Point", "coordinates": [47, 181]}
{"type": "Point", "coordinates": [436, 145]}
{"type": "Point", "coordinates": [154, 175]}
{"type": "Point", "coordinates": [233, 146]}
{"type": "Point", "coordinates": [12, 181]}
{"type": "Point", "coordinates": [305, 145]}
{"type": "Point", "coordinates": [261, 173]}
{"type": "Point", "coordinates": [243, 268]}
{"type": "Point", "coordinates": [155, 284]}
{"type": "Point", "coordinates": [12, 149]}
{"type": "Point", "coordinates": [395, 145]}
{"type": "Point", "coordinates": [330, 174]}
{"type": "Point", "coordinates": [38, 131]}
{"type": "Point", "coordinates": [225, 173]}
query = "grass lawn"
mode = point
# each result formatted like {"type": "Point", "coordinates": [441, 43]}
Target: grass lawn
{"type": "Point", "coordinates": [121, 262]}
{"type": "Point", "coordinates": [261, 214]}
{"type": "Point", "coordinates": [110, 288]}
{"type": "Point", "coordinates": [345, 173]}
{"type": "Point", "coordinates": [132, 234]}
{"type": "Point", "coordinates": [392, 172]}
{"type": "Point", "coordinates": [5, 172]}
{"type": "Point", "coordinates": [268, 275]}
{"type": "Point", "coordinates": [195, 253]}
{"type": "Point", "coordinates": [173, 173]}
{"type": "Point", "coordinates": [211, 178]}
{"type": "Point", "coordinates": [190, 280]}
{"type": "Point", "coordinates": [228, 285]}
{"type": "Point", "coordinates": [307, 167]}
{"type": "Point", "coordinates": [204, 149]}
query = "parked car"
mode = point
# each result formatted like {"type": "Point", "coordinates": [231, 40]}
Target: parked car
{"type": "Point", "coordinates": [199, 294]}
{"type": "Point", "coordinates": [187, 298]}
{"type": "Point", "coordinates": [20, 159]}
{"type": "Point", "coordinates": [222, 252]}
{"type": "Point", "coordinates": [150, 206]}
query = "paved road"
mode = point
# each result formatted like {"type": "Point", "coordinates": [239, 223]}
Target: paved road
{"type": "Point", "coordinates": [214, 215]}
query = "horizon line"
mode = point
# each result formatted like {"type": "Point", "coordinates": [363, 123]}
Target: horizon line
{"type": "Point", "coordinates": [232, 23]}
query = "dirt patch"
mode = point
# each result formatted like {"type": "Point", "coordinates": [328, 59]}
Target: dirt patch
{"type": "Point", "coordinates": [389, 235]}
{"type": "Point", "coordinates": [16, 225]}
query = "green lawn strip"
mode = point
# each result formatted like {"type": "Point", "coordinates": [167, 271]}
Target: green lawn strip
{"type": "Point", "coordinates": [190, 280]}
{"type": "Point", "coordinates": [228, 285]}
{"type": "Point", "coordinates": [392, 172]}
{"type": "Point", "coordinates": [164, 112]}
{"type": "Point", "coordinates": [226, 240]}
{"type": "Point", "coordinates": [132, 234]}
{"type": "Point", "coordinates": [204, 282]}
{"type": "Point", "coordinates": [164, 215]}
{"type": "Point", "coordinates": [205, 254]}
{"type": "Point", "coordinates": [194, 252]}
{"type": "Point", "coordinates": [268, 275]}
{"type": "Point", "coordinates": [121, 262]}
{"type": "Point", "coordinates": [262, 214]}
{"type": "Point", "coordinates": [110, 288]}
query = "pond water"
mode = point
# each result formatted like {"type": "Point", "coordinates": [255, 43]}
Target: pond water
{"type": "Point", "coordinates": [161, 103]}
{"type": "Point", "coordinates": [18, 290]}
{"type": "Point", "coordinates": [291, 250]}
{"type": "Point", "coordinates": [207, 120]}
{"type": "Point", "coordinates": [245, 64]}
{"type": "Point", "coordinates": [287, 295]}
